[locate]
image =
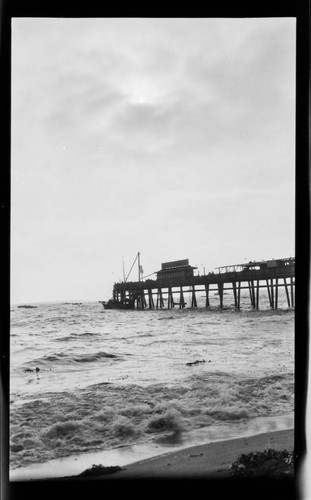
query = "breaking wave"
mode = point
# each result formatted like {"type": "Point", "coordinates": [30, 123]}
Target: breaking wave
{"type": "Point", "coordinates": [94, 357]}
{"type": "Point", "coordinates": [104, 416]}
{"type": "Point", "coordinates": [69, 358]}
{"type": "Point", "coordinates": [77, 336]}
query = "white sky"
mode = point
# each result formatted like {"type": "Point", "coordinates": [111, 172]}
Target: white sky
{"type": "Point", "coordinates": [172, 137]}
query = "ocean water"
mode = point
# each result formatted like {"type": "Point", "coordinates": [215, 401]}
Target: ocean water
{"type": "Point", "coordinates": [116, 386]}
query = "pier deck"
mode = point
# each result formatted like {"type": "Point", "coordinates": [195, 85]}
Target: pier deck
{"type": "Point", "coordinates": [252, 276]}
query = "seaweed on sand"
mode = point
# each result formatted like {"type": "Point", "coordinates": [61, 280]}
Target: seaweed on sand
{"type": "Point", "coordinates": [267, 463]}
{"type": "Point", "coordinates": [100, 470]}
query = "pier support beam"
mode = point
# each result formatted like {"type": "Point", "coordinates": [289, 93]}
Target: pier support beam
{"type": "Point", "coordinates": [141, 300]}
{"type": "Point", "coordinates": [292, 291]}
{"type": "Point", "coordinates": [257, 295]}
{"type": "Point", "coordinates": [276, 293]}
{"type": "Point", "coordinates": [151, 303]}
{"type": "Point", "coordinates": [207, 295]}
{"type": "Point", "coordinates": [170, 299]}
{"type": "Point", "coordinates": [272, 293]}
{"type": "Point", "coordinates": [193, 300]}
{"type": "Point", "coordinates": [269, 294]}
{"type": "Point", "coordinates": [235, 295]}
{"type": "Point", "coordinates": [239, 295]}
{"type": "Point", "coordinates": [160, 301]}
{"type": "Point", "coordinates": [182, 302]}
{"type": "Point", "coordinates": [286, 290]}
{"type": "Point", "coordinates": [221, 294]}
{"type": "Point", "coordinates": [251, 293]}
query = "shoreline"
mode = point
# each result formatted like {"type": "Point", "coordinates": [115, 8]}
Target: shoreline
{"type": "Point", "coordinates": [204, 461]}
{"type": "Point", "coordinates": [176, 474]}
{"type": "Point", "coordinates": [74, 464]}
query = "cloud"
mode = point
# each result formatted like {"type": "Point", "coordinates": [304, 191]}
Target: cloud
{"type": "Point", "coordinates": [145, 126]}
{"type": "Point", "coordinates": [150, 135]}
{"type": "Point", "coordinates": [252, 81]}
{"type": "Point", "coordinates": [157, 98]}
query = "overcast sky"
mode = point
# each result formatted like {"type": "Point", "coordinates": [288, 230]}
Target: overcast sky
{"type": "Point", "coordinates": [171, 137]}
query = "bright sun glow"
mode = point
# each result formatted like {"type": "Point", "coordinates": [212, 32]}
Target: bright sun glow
{"type": "Point", "coordinates": [144, 91]}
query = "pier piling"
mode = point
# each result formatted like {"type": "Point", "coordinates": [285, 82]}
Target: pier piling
{"type": "Point", "coordinates": [207, 295]}
{"type": "Point", "coordinates": [221, 295]}
{"type": "Point", "coordinates": [286, 290]}
{"type": "Point", "coordinates": [194, 299]}
{"type": "Point", "coordinates": [182, 303]}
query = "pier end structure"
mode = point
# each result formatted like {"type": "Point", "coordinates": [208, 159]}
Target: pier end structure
{"type": "Point", "coordinates": [176, 278]}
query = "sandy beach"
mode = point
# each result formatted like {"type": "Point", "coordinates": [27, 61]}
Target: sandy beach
{"type": "Point", "coordinates": [192, 468]}
{"type": "Point", "coordinates": [211, 460]}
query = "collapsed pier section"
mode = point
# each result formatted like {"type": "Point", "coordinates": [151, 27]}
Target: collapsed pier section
{"type": "Point", "coordinates": [177, 278]}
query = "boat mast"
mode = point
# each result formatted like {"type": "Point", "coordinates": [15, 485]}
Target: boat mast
{"type": "Point", "coordinates": [123, 269]}
{"type": "Point", "coordinates": [139, 267]}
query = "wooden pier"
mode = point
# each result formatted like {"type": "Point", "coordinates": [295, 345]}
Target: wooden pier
{"type": "Point", "coordinates": [177, 278]}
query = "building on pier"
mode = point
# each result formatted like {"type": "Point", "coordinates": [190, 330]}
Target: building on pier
{"type": "Point", "coordinates": [177, 270]}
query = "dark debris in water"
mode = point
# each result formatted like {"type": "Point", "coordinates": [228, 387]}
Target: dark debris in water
{"type": "Point", "coordinates": [100, 470]}
{"type": "Point", "coordinates": [31, 370]}
{"type": "Point", "coordinates": [198, 361]}
{"type": "Point", "coordinates": [27, 307]}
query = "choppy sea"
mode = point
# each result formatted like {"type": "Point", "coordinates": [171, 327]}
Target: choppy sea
{"type": "Point", "coordinates": [117, 386]}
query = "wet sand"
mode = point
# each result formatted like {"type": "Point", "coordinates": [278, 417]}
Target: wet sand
{"type": "Point", "coordinates": [203, 461]}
